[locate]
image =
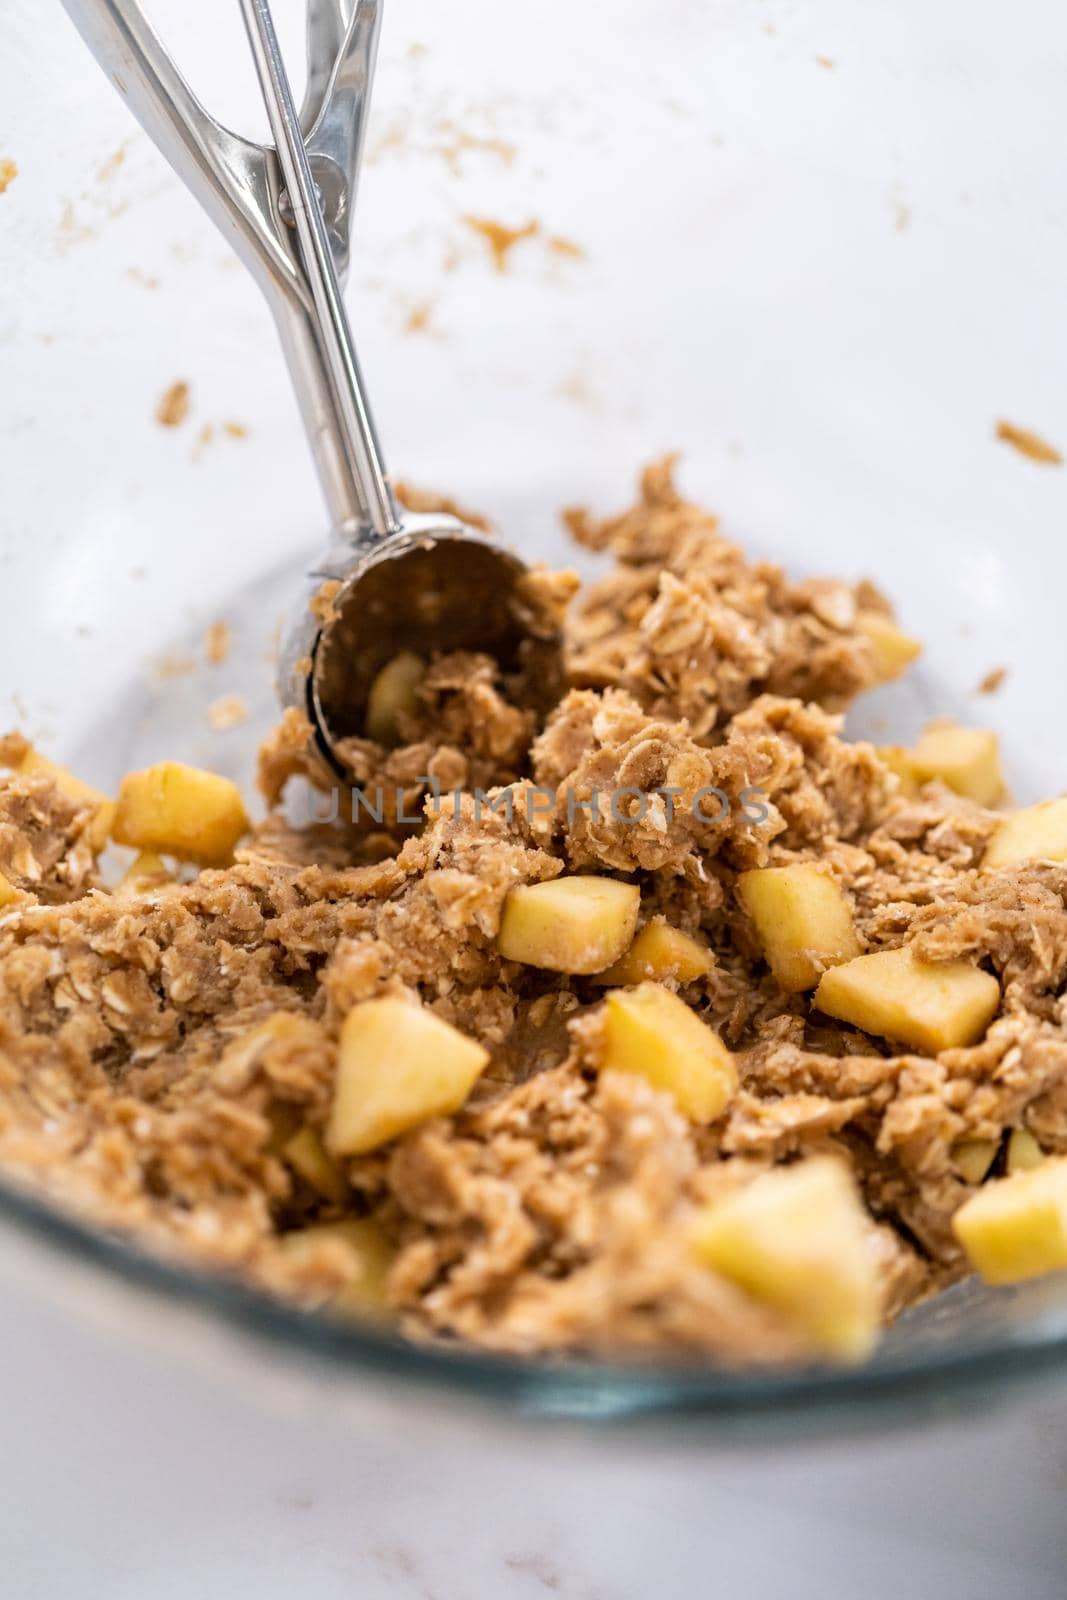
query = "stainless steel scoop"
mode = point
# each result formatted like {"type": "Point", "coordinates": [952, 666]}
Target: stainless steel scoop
{"type": "Point", "coordinates": [388, 582]}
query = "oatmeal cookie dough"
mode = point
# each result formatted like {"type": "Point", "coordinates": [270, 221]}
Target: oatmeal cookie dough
{"type": "Point", "coordinates": [170, 1050]}
{"type": "Point", "coordinates": [691, 629]}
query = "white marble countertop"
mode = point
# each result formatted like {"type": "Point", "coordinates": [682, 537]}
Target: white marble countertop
{"type": "Point", "coordinates": [151, 1455]}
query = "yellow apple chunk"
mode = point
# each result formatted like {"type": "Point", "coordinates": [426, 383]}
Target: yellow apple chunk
{"type": "Point", "coordinates": [966, 759]}
{"type": "Point", "coordinates": [974, 1157]}
{"type": "Point", "coordinates": [803, 922]}
{"type": "Point", "coordinates": [928, 1006]}
{"type": "Point", "coordinates": [1016, 1227]}
{"type": "Point", "coordinates": [798, 1240]}
{"type": "Point", "coordinates": [1024, 1152]}
{"type": "Point", "coordinates": [11, 895]}
{"type": "Point", "coordinates": [661, 953]}
{"type": "Point", "coordinates": [898, 760]}
{"type": "Point", "coordinates": [392, 695]}
{"type": "Point", "coordinates": [576, 924]}
{"type": "Point", "coordinates": [361, 1243]}
{"type": "Point", "coordinates": [175, 810]}
{"type": "Point", "coordinates": [651, 1032]}
{"type": "Point", "coordinates": [894, 650]}
{"type": "Point", "coordinates": [398, 1065]}
{"type": "Point", "coordinates": [307, 1155]}
{"type": "Point", "coordinates": [35, 765]}
{"type": "Point", "coordinates": [1037, 834]}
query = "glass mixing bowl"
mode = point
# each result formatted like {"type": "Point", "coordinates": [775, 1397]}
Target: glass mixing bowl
{"type": "Point", "coordinates": [819, 251]}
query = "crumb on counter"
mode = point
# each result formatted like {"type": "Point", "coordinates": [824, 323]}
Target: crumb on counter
{"type": "Point", "coordinates": [993, 680]}
{"type": "Point", "coordinates": [113, 165]}
{"type": "Point", "coordinates": [453, 142]}
{"type": "Point", "coordinates": [227, 712]}
{"type": "Point", "coordinates": [171, 664]}
{"type": "Point", "coordinates": [173, 408]}
{"type": "Point", "coordinates": [501, 239]}
{"type": "Point", "coordinates": [418, 318]}
{"type": "Point", "coordinates": [577, 388]}
{"type": "Point", "coordinates": [1029, 444]}
{"type": "Point", "coordinates": [218, 641]}
{"type": "Point", "coordinates": [8, 173]}
{"type": "Point", "coordinates": [561, 246]}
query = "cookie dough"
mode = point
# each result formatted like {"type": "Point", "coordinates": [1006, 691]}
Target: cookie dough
{"type": "Point", "coordinates": [171, 1048]}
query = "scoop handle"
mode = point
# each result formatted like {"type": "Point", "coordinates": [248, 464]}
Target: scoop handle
{"type": "Point", "coordinates": [359, 439]}
{"type": "Point", "coordinates": [238, 183]}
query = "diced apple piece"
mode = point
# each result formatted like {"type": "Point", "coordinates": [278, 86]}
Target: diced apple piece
{"type": "Point", "coordinates": [798, 1239]}
{"type": "Point", "coordinates": [392, 695]}
{"type": "Point", "coordinates": [398, 1065]}
{"type": "Point", "coordinates": [803, 921]}
{"type": "Point", "coordinates": [180, 811]}
{"type": "Point", "coordinates": [576, 924]}
{"type": "Point", "coordinates": [661, 953]}
{"type": "Point", "coordinates": [1016, 1227]}
{"type": "Point", "coordinates": [651, 1032]}
{"type": "Point", "coordinates": [11, 894]}
{"type": "Point", "coordinates": [1024, 1152]}
{"type": "Point", "coordinates": [366, 1294]}
{"type": "Point", "coordinates": [35, 765]}
{"type": "Point", "coordinates": [1037, 834]}
{"type": "Point", "coordinates": [974, 1157]}
{"type": "Point", "coordinates": [898, 760]}
{"type": "Point", "coordinates": [367, 1250]}
{"type": "Point", "coordinates": [929, 1006]}
{"type": "Point", "coordinates": [309, 1158]}
{"type": "Point", "coordinates": [894, 650]}
{"type": "Point", "coordinates": [966, 759]}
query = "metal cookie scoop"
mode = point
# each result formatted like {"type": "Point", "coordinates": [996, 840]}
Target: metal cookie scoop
{"type": "Point", "coordinates": [389, 582]}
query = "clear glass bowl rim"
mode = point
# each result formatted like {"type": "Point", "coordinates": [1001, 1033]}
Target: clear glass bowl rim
{"type": "Point", "coordinates": [888, 1388]}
